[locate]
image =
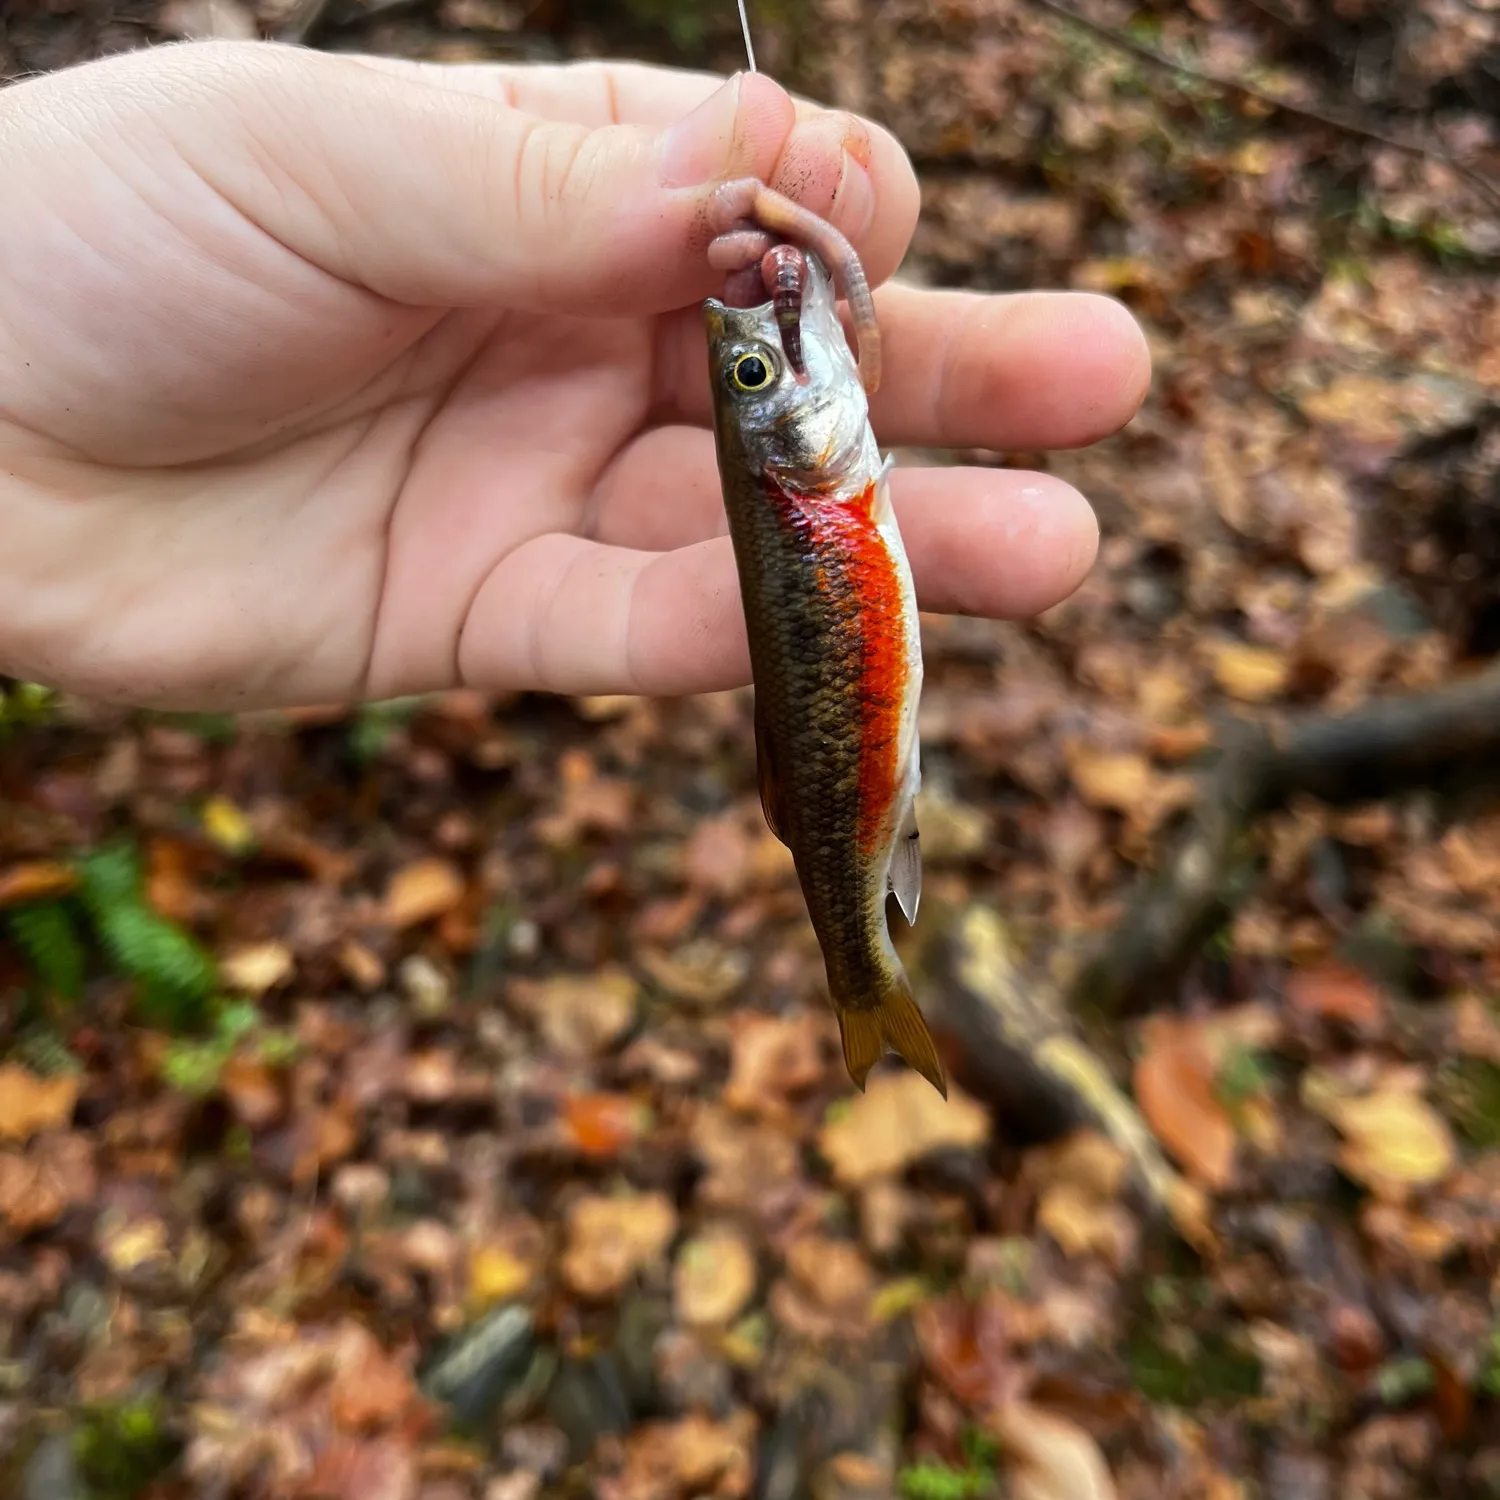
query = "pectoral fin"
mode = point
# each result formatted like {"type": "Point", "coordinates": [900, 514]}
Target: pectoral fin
{"type": "Point", "coordinates": [905, 879]}
{"type": "Point", "coordinates": [765, 772]}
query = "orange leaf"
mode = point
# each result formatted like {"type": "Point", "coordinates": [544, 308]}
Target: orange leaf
{"type": "Point", "coordinates": [36, 880]}
{"type": "Point", "coordinates": [422, 891]}
{"type": "Point", "coordinates": [1336, 992]}
{"type": "Point", "coordinates": [601, 1125]}
{"type": "Point", "coordinates": [1174, 1086]}
{"type": "Point", "coordinates": [29, 1104]}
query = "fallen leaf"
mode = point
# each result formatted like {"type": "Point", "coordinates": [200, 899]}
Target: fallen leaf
{"type": "Point", "coordinates": [206, 20]}
{"type": "Point", "coordinates": [897, 1121]}
{"type": "Point", "coordinates": [773, 1059]}
{"type": "Point", "coordinates": [36, 880]}
{"type": "Point", "coordinates": [1253, 674]}
{"type": "Point", "coordinates": [1337, 993]}
{"type": "Point", "coordinates": [255, 969]}
{"type": "Point", "coordinates": [1174, 1087]}
{"type": "Point", "coordinates": [29, 1104]}
{"type": "Point", "coordinates": [1122, 782]}
{"type": "Point", "coordinates": [610, 1239]}
{"type": "Point", "coordinates": [702, 972]}
{"type": "Point", "coordinates": [1393, 1138]}
{"type": "Point", "coordinates": [421, 891]}
{"type": "Point", "coordinates": [496, 1274]}
{"type": "Point", "coordinates": [717, 857]}
{"type": "Point", "coordinates": [252, 1091]}
{"type": "Point", "coordinates": [603, 1125]}
{"type": "Point", "coordinates": [580, 1016]}
{"type": "Point", "coordinates": [226, 826]}
{"type": "Point", "coordinates": [713, 1279]}
{"type": "Point", "coordinates": [1051, 1458]}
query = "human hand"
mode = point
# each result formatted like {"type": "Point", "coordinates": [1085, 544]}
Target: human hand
{"type": "Point", "coordinates": [326, 378]}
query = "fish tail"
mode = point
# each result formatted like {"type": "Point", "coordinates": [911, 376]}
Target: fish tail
{"type": "Point", "coordinates": [894, 1022]}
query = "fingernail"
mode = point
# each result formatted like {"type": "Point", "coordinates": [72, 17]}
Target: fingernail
{"type": "Point", "coordinates": [700, 146]}
{"type": "Point", "coordinates": [854, 200]}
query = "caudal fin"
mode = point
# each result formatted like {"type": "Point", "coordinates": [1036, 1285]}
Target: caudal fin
{"type": "Point", "coordinates": [895, 1023]}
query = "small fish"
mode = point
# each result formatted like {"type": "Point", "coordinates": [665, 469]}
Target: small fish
{"type": "Point", "coordinates": [832, 618]}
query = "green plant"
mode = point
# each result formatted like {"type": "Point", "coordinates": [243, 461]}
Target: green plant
{"type": "Point", "coordinates": [937, 1481]}
{"type": "Point", "coordinates": [24, 705]}
{"type": "Point", "coordinates": [121, 1447]}
{"type": "Point", "coordinates": [375, 723]}
{"type": "Point", "coordinates": [195, 1066]}
{"type": "Point", "coordinates": [175, 976]}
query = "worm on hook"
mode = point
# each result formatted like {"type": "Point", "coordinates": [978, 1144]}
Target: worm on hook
{"type": "Point", "coordinates": [746, 215]}
{"type": "Point", "coordinates": [784, 271]}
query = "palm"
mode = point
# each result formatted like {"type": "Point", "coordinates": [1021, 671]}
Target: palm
{"type": "Point", "coordinates": [257, 445]}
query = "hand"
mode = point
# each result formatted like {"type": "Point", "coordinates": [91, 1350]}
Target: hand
{"type": "Point", "coordinates": [331, 377]}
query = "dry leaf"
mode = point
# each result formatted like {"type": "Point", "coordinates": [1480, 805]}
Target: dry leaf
{"type": "Point", "coordinates": [1051, 1458]}
{"type": "Point", "coordinates": [774, 1057]}
{"type": "Point", "coordinates": [1174, 1086]}
{"type": "Point", "coordinates": [1394, 1139]}
{"type": "Point", "coordinates": [1337, 993]}
{"type": "Point", "coordinates": [496, 1274]}
{"type": "Point", "coordinates": [580, 1016]}
{"type": "Point", "coordinates": [29, 1104]}
{"type": "Point", "coordinates": [226, 826]}
{"type": "Point", "coordinates": [702, 972]}
{"type": "Point", "coordinates": [255, 969]}
{"type": "Point", "coordinates": [1252, 674]}
{"type": "Point", "coordinates": [1120, 782]}
{"type": "Point", "coordinates": [421, 891]}
{"type": "Point", "coordinates": [714, 1279]}
{"type": "Point", "coordinates": [897, 1121]}
{"type": "Point", "coordinates": [610, 1239]}
{"type": "Point", "coordinates": [603, 1125]}
{"type": "Point", "coordinates": [36, 880]}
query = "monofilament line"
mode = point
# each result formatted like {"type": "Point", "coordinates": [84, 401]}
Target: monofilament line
{"type": "Point", "coordinates": [745, 27]}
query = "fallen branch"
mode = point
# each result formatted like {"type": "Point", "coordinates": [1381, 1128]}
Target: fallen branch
{"type": "Point", "coordinates": [1388, 747]}
{"type": "Point", "coordinates": [1334, 120]}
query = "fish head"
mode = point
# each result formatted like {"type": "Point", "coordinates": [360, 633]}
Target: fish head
{"type": "Point", "coordinates": [811, 433]}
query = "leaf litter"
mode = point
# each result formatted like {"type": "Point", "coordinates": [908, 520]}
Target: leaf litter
{"type": "Point", "coordinates": [479, 1048]}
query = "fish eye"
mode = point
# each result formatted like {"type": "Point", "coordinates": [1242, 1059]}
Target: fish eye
{"type": "Point", "coordinates": [752, 372]}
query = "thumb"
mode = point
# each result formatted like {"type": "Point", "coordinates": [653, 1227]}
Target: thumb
{"type": "Point", "coordinates": [439, 197]}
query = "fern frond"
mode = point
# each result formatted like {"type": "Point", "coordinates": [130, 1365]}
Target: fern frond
{"type": "Point", "coordinates": [47, 934]}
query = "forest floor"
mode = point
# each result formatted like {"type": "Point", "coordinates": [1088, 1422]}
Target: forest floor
{"type": "Point", "coordinates": [439, 1099]}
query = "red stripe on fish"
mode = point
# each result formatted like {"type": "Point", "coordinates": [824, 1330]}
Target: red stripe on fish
{"type": "Point", "coordinates": [857, 575]}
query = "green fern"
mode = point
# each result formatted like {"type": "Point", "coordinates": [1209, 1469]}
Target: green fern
{"type": "Point", "coordinates": [175, 975]}
{"type": "Point", "coordinates": [47, 934]}
{"type": "Point", "coordinates": [928, 1481]}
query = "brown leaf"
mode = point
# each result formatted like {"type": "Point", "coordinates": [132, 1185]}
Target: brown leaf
{"type": "Point", "coordinates": [421, 891]}
{"type": "Point", "coordinates": [1336, 992]}
{"type": "Point", "coordinates": [257, 968]}
{"type": "Point", "coordinates": [773, 1059]}
{"type": "Point", "coordinates": [29, 1104]}
{"type": "Point", "coordinates": [206, 20]}
{"type": "Point", "coordinates": [1253, 674]}
{"type": "Point", "coordinates": [1174, 1086]}
{"type": "Point", "coordinates": [610, 1239]}
{"type": "Point", "coordinates": [36, 880]}
{"type": "Point", "coordinates": [1394, 1139]}
{"type": "Point", "coordinates": [717, 857]}
{"type": "Point", "coordinates": [714, 1279]}
{"type": "Point", "coordinates": [580, 1016]}
{"type": "Point", "coordinates": [897, 1121]}
{"type": "Point", "coordinates": [253, 1092]}
{"type": "Point", "coordinates": [1121, 782]}
{"type": "Point", "coordinates": [1051, 1458]}
{"type": "Point", "coordinates": [702, 972]}
{"type": "Point", "coordinates": [602, 1125]}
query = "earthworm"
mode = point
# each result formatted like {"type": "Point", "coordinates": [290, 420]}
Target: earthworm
{"type": "Point", "coordinates": [747, 200]}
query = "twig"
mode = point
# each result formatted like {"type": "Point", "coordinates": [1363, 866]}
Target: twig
{"type": "Point", "coordinates": [1390, 746]}
{"type": "Point", "coordinates": [1335, 121]}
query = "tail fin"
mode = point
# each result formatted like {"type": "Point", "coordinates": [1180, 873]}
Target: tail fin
{"type": "Point", "coordinates": [895, 1022]}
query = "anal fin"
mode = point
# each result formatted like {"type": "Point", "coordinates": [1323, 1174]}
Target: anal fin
{"type": "Point", "coordinates": [905, 878]}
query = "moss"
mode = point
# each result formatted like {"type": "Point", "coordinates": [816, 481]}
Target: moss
{"type": "Point", "coordinates": [122, 1447]}
{"type": "Point", "coordinates": [1470, 1090]}
{"type": "Point", "coordinates": [1214, 1370]}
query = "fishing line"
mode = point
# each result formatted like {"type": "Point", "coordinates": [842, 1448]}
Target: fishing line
{"type": "Point", "coordinates": [745, 27]}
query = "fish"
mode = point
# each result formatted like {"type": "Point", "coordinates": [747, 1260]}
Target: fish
{"type": "Point", "coordinates": [835, 645]}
